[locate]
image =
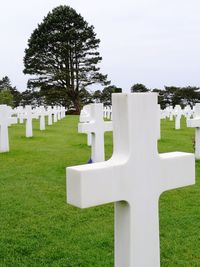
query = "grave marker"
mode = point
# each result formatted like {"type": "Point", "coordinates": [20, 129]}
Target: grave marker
{"type": "Point", "coordinates": [50, 113]}
{"type": "Point", "coordinates": [5, 121]}
{"type": "Point", "coordinates": [97, 127]}
{"type": "Point", "coordinates": [177, 114]}
{"type": "Point", "coordinates": [29, 116]}
{"type": "Point", "coordinates": [195, 123]}
{"type": "Point", "coordinates": [134, 178]}
{"type": "Point", "coordinates": [86, 117]}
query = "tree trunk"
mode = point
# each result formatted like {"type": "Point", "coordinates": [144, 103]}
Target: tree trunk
{"type": "Point", "coordinates": [77, 104]}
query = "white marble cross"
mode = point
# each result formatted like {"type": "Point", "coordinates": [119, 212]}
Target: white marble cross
{"type": "Point", "coordinates": [85, 116]}
{"type": "Point", "coordinates": [97, 127]}
{"type": "Point", "coordinates": [134, 178]}
{"type": "Point", "coordinates": [195, 123]}
{"type": "Point", "coordinates": [170, 110]}
{"type": "Point", "coordinates": [5, 121]}
{"type": "Point", "coordinates": [177, 114]}
{"type": "Point", "coordinates": [63, 110]}
{"type": "Point", "coordinates": [50, 113]}
{"type": "Point", "coordinates": [29, 116]}
{"type": "Point", "coordinates": [188, 112]}
{"type": "Point", "coordinates": [20, 113]}
{"type": "Point", "coordinates": [42, 113]}
{"type": "Point", "coordinates": [59, 113]}
{"type": "Point", "coordinates": [55, 114]}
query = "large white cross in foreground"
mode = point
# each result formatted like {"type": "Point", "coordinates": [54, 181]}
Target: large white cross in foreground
{"type": "Point", "coordinates": [5, 121]}
{"type": "Point", "coordinates": [195, 123]}
{"type": "Point", "coordinates": [97, 127]}
{"type": "Point", "coordinates": [134, 178]}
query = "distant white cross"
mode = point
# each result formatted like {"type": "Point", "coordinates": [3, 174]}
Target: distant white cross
{"type": "Point", "coordinates": [29, 116]}
{"type": "Point", "coordinates": [178, 114]}
{"type": "Point", "coordinates": [59, 113]}
{"type": "Point", "coordinates": [97, 127]}
{"type": "Point", "coordinates": [55, 114]}
{"type": "Point", "coordinates": [42, 113]}
{"type": "Point", "coordinates": [195, 123]}
{"type": "Point", "coordinates": [63, 112]}
{"type": "Point", "coordinates": [85, 116]}
{"type": "Point", "coordinates": [134, 178]}
{"type": "Point", "coordinates": [50, 113]}
{"type": "Point", "coordinates": [20, 112]}
{"type": "Point", "coordinates": [5, 120]}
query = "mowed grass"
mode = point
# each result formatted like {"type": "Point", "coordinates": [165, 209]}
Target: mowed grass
{"type": "Point", "coordinates": [38, 228]}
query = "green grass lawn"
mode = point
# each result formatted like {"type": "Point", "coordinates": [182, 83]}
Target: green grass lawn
{"type": "Point", "coordinates": [38, 228]}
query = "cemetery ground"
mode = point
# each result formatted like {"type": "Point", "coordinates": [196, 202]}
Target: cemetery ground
{"type": "Point", "coordinates": [38, 228]}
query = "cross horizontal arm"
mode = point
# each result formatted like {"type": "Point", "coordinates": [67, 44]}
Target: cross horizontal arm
{"type": "Point", "coordinates": [177, 170]}
{"type": "Point", "coordinates": [86, 127]}
{"type": "Point", "coordinates": [193, 123]}
{"type": "Point", "coordinates": [93, 184]}
{"type": "Point", "coordinates": [12, 120]}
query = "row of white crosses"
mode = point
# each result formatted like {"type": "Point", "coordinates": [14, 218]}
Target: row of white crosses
{"type": "Point", "coordinates": [177, 112]}
{"type": "Point", "coordinates": [193, 122]}
{"type": "Point", "coordinates": [134, 178]}
{"type": "Point", "coordinates": [27, 114]}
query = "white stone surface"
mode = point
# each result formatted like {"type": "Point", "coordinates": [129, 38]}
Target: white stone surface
{"type": "Point", "coordinates": [158, 122]}
{"type": "Point", "coordinates": [134, 178]}
{"type": "Point", "coordinates": [59, 113]}
{"type": "Point", "coordinates": [178, 115]}
{"type": "Point", "coordinates": [97, 127]}
{"type": "Point", "coordinates": [55, 114]}
{"type": "Point", "coordinates": [188, 112]}
{"type": "Point", "coordinates": [50, 114]}
{"type": "Point", "coordinates": [20, 113]}
{"type": "Point", "coordinates": [85, 116]}
{"type": "Point", "coordinates": [42, 113]}
{"type": "Point", "coordinates": [195, 123]}
{"type": "Point", "coordinates": [29, 116]}
{"type": "Point", "coordinates": [63, 110]}
{"type": "Point", "coordinates": [5, 120]}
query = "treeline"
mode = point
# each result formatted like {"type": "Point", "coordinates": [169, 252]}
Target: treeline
{"type": "Point", "coordinates": [172, 95]}
{"type": "Point", "coordinates": [11, 96]}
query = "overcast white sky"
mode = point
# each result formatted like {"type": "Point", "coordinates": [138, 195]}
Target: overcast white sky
{"type": "Point", "coordinates": [154, 42]}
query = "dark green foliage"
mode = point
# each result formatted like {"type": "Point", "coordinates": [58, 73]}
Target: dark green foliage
{"type": "Point", "coordinates": [97, 96]}
{"type": "Point", "coordinates": [6, 97]}
{"type": "Point", "coordinates": [32, 97]}
{"type": "Point", "coordinates": [5, 83]}
{"type": "Point", "coordinates": [62, 53]}
{"type": "Point", "coordinates": [183, 96]}
{"type": "Point", "coordinates": [105, 96]}
{"type": "Point", "coordinates": [9, 95]}
{"type": "Point", "coordinates": [172, 95]}
{"type": "Point", "coordinates": [139, 88]}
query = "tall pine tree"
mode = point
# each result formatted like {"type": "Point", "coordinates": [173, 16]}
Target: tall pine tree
{"type": "Point", "coordinates": [62, 53]}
